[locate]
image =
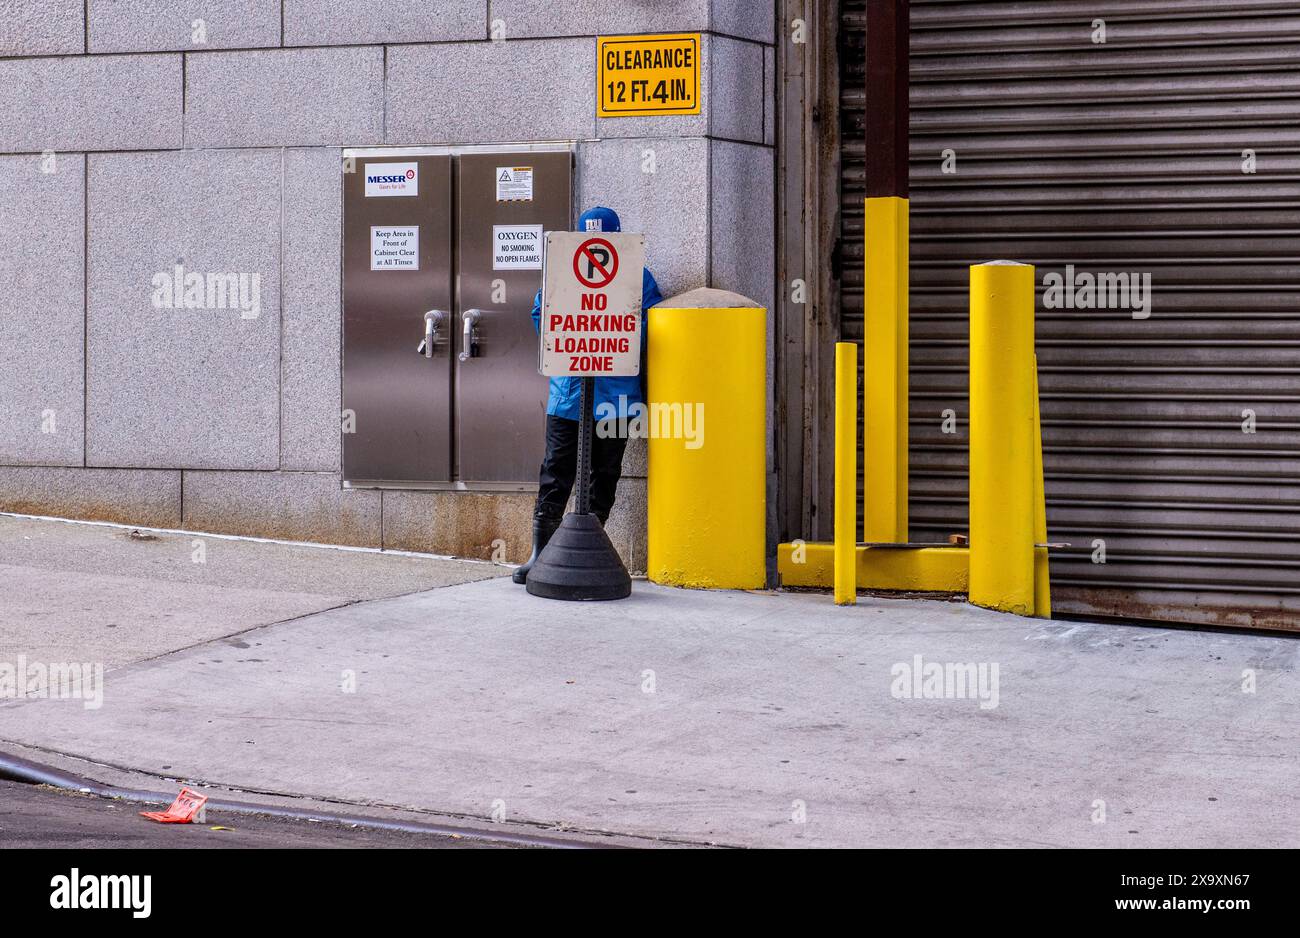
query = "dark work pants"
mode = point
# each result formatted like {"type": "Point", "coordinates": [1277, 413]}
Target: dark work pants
{"type": "Point", "coordinates": [560, 468]}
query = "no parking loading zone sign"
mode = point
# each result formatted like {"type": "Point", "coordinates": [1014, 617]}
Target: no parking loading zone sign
{"type": "Point", "coordinates": [591, 304]}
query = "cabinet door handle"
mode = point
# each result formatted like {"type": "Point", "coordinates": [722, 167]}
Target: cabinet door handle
{"type": "Point", "coordinates": [469, 344]}
{"type": "Point", "coordinates": [434, 320]}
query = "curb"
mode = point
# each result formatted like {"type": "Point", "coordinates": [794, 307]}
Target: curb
{"type": "Point", "coordinates": [17, 769]}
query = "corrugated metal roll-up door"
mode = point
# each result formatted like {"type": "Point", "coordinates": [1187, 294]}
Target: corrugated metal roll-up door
{"type": "Point", "coordinates": [1130, 156]}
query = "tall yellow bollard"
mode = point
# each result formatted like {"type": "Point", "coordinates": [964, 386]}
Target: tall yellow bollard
{"type": "Point", "coordinates": [846, 473]}
{"type": "Point", "coordinates": [706, 487]}
{"type": "Point", "coordinates": [1002, 435]}
{"type": "Point", "coordinates": [885, 347]}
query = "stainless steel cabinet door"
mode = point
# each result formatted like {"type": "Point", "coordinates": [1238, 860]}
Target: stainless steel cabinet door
{"type": "Point", "coordinates": [504, 200]}
{"type": "Point", "coordinates": [397, 254]}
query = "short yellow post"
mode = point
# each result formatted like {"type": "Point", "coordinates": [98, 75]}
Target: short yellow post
{"type": "Point", "coordinates": [885, 358]}
{"type": "Point", "coordinates": [1042, 577]}
{"type": "Point", "coordinates": [1002, 401]}
{"type": "Point", "coordinates": [707, 452]}
{"type": "Point", "coordinates": [846, 473]}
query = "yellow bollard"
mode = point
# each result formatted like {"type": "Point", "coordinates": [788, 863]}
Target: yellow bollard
{"type": "Point", "coordinates": [706, 496]}
{"type": "Point", "coordinates": [846, 473]}
{"type": "Point", "coordinates": [1002, 401]}
{"type": "Point", "coordinates": [1042, 577]}
{"type": "Point", "coordinates": [885, 347]}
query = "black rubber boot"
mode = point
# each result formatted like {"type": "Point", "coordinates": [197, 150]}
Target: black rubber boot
{"type": "Point", "coordinates": [543, 527]}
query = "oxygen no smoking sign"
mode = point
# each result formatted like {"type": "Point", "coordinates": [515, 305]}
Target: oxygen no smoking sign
{"type": "Point", "coordinates": [591, 304]}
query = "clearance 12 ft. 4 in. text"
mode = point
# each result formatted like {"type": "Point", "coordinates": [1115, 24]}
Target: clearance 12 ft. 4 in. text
{"type": "Point", "coordinates": [648, 76]}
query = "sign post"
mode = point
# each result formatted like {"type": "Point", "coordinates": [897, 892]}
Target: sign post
{"type": "Point", "coordinates": [590, 328]}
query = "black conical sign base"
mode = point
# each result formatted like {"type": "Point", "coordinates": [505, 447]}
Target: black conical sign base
{"type": "Point", "coordinates": [579, 563]}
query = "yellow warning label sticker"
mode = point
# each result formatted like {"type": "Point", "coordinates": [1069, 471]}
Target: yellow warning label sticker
{"type": "Point", "coordinates": [647, 76]}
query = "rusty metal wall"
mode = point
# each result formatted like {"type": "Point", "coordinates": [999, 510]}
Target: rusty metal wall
{"type": "Point", "coordinates": [1122, 156]}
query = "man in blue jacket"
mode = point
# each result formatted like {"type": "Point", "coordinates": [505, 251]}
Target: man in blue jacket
{"type": "Point", "coordinates": [560, 465]}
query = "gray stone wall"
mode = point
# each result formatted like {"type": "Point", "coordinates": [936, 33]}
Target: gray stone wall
{"type": "Point", "coordinates": [136, 138]}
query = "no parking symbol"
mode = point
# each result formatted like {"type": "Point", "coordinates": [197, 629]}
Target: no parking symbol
{"type": "Point", "coordinates": [600, 261]}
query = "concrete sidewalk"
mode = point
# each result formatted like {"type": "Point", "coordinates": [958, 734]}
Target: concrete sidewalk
{"type": "Point", "coordinates": [734, 718]}
{"type": "Point", "coordinates": [96, 592]}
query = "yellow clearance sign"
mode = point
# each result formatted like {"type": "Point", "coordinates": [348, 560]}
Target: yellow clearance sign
{"type": "Point", "coordinates": [646, 76]}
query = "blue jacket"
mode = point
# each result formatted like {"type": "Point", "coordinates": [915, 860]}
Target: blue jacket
{"type": "Point", "coordinates": [566, 393]}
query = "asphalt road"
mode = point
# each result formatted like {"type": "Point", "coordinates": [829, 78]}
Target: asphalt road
{"type": "Point", "coordinates": [40, 816]}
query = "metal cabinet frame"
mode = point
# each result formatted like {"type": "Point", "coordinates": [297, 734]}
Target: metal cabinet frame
{"type": "Point", "coordinates": [454, 323]}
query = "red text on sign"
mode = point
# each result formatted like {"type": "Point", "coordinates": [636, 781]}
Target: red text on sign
{"type": "Point", "coordinates": [590, 363]}
{"type": "Point", "coordinates": [577, 322]}
{"type": "Point", "coordinates": [567, 345]}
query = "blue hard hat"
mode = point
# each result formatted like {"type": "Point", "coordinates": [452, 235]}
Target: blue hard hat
{"type": "Point", "coordinates": [599, 219]}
